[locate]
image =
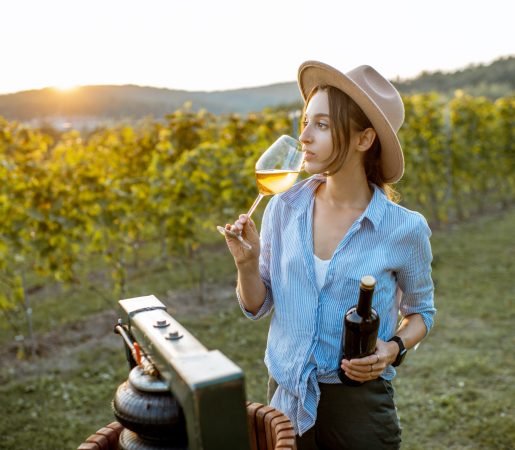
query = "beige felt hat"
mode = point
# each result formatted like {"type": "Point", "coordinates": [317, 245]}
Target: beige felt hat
{"type": "Point", "coordinates": [375, 95]}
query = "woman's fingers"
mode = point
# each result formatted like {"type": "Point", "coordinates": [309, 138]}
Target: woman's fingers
{"type": "Point", "coordinates": [363, 369]}
{"type": "Point", "coordinates": [230, 232]}
{"type": "Point", "coordinates": [242, 239]}
{"type": "Point", "coordinates": [246, 227]}
{"type": "Point", "coordinates": [239, 225]}
{"type": "Point", "coordinates": [250, 226]}
{"type": "Point", "coordinates": [360, 373]}
{"type": "Point", "coordinates": [361, 363]}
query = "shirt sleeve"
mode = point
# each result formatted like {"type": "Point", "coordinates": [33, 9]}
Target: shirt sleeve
{"type": "Point", "coordinates": [264, 265]}
{"type": "Point", "coordinates": [415, 278]}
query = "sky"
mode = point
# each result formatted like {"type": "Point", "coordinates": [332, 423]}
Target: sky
{"type": "Point", "coordinates": [227, 44]}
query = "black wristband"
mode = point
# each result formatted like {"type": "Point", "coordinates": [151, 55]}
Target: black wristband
{"type": "Point", "coordinates": [402, 351]}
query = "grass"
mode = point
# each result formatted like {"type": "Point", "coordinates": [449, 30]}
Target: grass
{"type": "Point", "coordinates": [56, 305]}
{"type": "Point", "coordinates": [455, 391]}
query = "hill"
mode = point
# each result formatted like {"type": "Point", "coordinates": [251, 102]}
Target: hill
{"type": "Point", "coordinates": [93, 104]}
{"type": "Point", "coordinates": [136, 101]}
{"type": "Point", "coordinates": [493, 80]}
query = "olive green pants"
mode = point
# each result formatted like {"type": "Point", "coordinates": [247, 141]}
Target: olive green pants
{"type": "Point", "coordinates": [354, 418]}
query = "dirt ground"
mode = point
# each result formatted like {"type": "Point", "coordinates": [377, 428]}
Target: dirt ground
{"type": "Point", "coordinates": [58, 349]}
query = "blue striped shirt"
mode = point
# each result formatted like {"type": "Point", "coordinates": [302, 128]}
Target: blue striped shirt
{"type": "Point", "coordinates": [386, 241]}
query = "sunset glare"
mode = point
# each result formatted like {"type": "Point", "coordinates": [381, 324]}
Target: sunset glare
{"type": "Point", "coordinates": [228, 44]}
{"type": "Point", "coordinates": [66, 87]}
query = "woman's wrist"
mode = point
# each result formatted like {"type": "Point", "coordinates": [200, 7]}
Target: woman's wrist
{"type": "Point", "coordinates": [393, 350]}
{"type": "Point", "coordinates": [247, 265]}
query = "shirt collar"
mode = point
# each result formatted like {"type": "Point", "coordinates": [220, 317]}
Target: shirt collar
{"type": "Point", "coordinates": [301, 194]}
{"type": "Point", "coordinates": [375, 209]}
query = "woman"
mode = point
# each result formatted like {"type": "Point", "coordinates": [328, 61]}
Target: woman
{"type": "Point", "coordinates": [317, 240]}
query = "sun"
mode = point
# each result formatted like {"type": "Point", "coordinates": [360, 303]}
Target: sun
{"type": "Point", "coordinates": [66, 87]}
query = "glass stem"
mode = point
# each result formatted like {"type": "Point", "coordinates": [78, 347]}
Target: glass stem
{"type": "Point", "coordinates": [254, 205]}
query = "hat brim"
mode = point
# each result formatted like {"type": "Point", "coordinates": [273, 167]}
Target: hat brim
{"type": "Point", "coordinates": [314, 73]}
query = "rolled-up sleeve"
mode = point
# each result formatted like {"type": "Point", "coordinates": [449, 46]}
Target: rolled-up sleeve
{"type": "Point", "coordinates": [264, 266]}
{"type": "Point", "coordinates": [415, 277]}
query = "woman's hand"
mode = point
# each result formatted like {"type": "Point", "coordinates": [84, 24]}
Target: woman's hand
{"type": "Point", "coordinates": [248, 230]}
{"type": "Point", "coordinates": [371, 367]}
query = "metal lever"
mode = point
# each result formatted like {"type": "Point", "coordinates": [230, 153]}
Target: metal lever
{"type": "Point", "coordinates": [141, 360]}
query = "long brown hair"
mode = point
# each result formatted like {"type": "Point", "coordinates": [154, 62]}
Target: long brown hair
{"type": "Point", "coordinates": [346, 115]}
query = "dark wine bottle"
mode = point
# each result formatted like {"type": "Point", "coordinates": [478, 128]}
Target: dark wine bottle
{"type": "Point", "coordinates": [361, 324]}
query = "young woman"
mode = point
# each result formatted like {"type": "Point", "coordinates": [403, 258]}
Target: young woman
{"type": "Point", "coordinates": [317, 240]}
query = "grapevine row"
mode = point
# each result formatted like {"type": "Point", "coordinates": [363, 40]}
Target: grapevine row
{"type": "Point", "coordinates": [68, 200]}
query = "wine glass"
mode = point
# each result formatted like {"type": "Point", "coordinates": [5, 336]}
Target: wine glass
{"type": "Point", "coordinates": [276, 171]}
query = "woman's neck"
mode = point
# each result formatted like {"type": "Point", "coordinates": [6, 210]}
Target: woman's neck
{"type": "Point", "coordinates": [348, 188]}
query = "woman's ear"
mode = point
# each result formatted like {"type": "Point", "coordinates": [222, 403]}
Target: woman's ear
{"type": "Point", "coordinates": [366, 139]}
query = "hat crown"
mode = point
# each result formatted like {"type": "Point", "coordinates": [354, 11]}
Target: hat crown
{"type": "Point", "coordinates": [377, 98]}
{"type": "Point", "coordinates": [381, 92]}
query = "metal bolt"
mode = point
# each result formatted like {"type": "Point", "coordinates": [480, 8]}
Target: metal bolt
{"type": "Point", "coordinates": [161, 323]}
{"type": "Point", "coordinates": [174, 336]}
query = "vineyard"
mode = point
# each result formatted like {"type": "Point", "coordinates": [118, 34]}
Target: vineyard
{"type": "Point", "coordinates": [75, 202]}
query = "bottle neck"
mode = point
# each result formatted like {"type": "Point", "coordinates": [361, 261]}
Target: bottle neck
{"type": "Point", "coordinates": [365, 302]}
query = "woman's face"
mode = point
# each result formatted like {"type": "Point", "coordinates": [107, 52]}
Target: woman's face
{"type": "Point", "coordinates": [316, 137]}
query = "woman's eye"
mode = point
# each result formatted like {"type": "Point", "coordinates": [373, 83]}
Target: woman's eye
{"type": "Point", "coordinates": [320, 125]}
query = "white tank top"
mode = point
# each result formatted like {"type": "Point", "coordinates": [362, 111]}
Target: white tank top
{"type": "Point", "coordinates": [321, 266]}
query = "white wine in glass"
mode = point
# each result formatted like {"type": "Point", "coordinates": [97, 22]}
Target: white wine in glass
{"type": "Point", "coordinates": [276, 171]}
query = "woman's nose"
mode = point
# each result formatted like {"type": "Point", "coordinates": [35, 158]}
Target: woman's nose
{"type": "Point", "coordinates": [305, 136]}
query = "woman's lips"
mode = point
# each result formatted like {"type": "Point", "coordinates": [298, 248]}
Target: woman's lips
{"type": "Point", "coordinates": [308, 155]}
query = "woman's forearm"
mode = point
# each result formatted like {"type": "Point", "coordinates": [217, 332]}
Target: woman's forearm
{"type": "Point", "coordinates": [411, 330]}
{"type": "Point", "coordinates": [251, 288]}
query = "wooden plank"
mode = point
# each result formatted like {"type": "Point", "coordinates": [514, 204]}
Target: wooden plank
{"type": "Point", "coordinates": [252, 409]}
{"type": "Point", "coordinates": [260, 421]}
{"type": "Point", "coordinates": [274, 423]}
{"type": "Point", "coordinates": [285, 436]}
{"type": "Point", "coordinates": [269, 430]}
{"type": "Point", "coordinates": [286, 444]}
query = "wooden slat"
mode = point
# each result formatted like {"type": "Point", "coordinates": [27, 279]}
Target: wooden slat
{"type": "Point", "coordinates": [116, 426]}
{"type": "Point", "coordinates": [283, 427]}
{"type": "Point", "coordinates": [274, 423]}
{"type": "Point", "coordinates": [269, 430]}
{"type": "Point", "coordinates": [260, 421]}
{"type": "Point", "coordinates": [273, 430]}
{"type": "Point", "coordinates": [252, 409]}
{"type": "Point", "coordinates": [111, 435]}
{"type": "Point", "coordinates": [286, 443]}
{"type": "Point", "coordinates": [87, 446]}
{"type": "Point", "coordinates": [285, 436]}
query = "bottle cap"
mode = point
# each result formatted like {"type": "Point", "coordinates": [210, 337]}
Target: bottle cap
{"type": "Point", "coordinates": [368, 282]}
